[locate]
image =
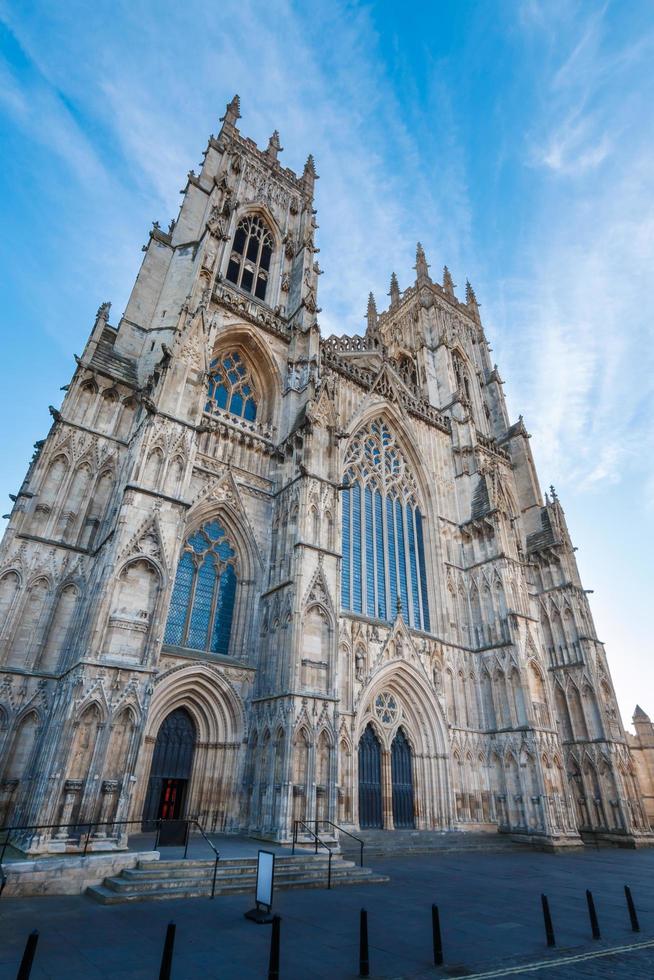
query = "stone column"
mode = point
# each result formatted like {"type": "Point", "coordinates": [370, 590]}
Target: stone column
{"type": "Point", "coordinates": [387, 790]}
{"type": "Point", "coordinates": [7, 790]}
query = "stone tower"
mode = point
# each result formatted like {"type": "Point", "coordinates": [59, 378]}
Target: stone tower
{"type": "Point", "coordinates": [256, 576]}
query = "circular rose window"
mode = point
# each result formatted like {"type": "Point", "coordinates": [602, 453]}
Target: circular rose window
{"type": "Point", "coordinates": [386, 708]}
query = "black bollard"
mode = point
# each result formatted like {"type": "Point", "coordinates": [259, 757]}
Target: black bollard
{"type": "Point", "coordinates": [25, 967]}
{"type": "Point", "coordinates": [364, 960]}
{"type": "Point", "coordinates": [549, 928]}
{"type": "Point", "coordinates": [436, 935]}
{"type": "Point", "coordinates": [167, 955]}
{"type": "Point", "coordinates": [594, 924]}
{"type": "Point", "coordinates": [273, 962]}
{"type": "Point", "coordinates": [635, 925]}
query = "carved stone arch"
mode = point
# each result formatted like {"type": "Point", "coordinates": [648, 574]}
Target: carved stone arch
{"type": "Point", "coordinates": [319, 593]}
{"type": "Point", "coordinates": [407, 442]}
{"type": "Point", "coordinates": [222, 500]}
{"type": "Point", "coordinates": [246, 340]}
{"type": "Point", "coordinates": [60, 624]}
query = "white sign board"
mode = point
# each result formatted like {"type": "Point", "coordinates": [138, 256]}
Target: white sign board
{"type": "Point", "coordinates": [265, 876]}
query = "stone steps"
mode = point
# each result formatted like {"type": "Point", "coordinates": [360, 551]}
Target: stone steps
{"type": "Point", "coordinates": [396, 843]}
{"type": "Point", "coordinates": [155, 880]}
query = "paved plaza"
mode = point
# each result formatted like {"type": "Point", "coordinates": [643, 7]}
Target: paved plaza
{"type": "Point", "coordinates": [490, 913]}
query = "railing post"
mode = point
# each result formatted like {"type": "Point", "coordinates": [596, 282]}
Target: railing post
{"type": "Point", "coordinates": [364, 958]}
{"type": "Point", "coordinates": [329, 871]}
{"type": "Point", "coordinates": [273, 962]}
{"type": "Point", "coordinates": [294, 836]}
{"type": "Point", "coordinates": [25, 967]}
{"type": "Point", "coordinates": [167, 955]}
{"type": "Point", "coordinates": [594, 924]}
{"type": "Point", "coordinates": [635, 925]}
{"type": "Point", "coordinates": [436, 936]}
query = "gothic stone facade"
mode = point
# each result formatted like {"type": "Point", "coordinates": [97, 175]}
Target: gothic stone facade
{"type": "Point", "coordinates": [255, 575]}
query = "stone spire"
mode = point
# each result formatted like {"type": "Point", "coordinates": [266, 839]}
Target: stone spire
{"type": "Point", "coordinates": [372, 313]}
{"type": "Point", "coordinates": [395, 291]}
{"type": "Point", "coordinates": [274, 146]}
{"type": "Point", "coordinates": [309, 175]}
{"type": "Point", "coordinates": [448, 284]}
{"type": "Point", "coordinates": [471, 300]}
{"type": "Point", "coordinates": [232, 112]}
{"type": "Point", "coordinates": [421, 267]}
{"type": "Point", "coordinates": [640, 715]}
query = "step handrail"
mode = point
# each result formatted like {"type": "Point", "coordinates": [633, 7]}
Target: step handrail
{"type": "Point", "coordinates": [318, 840]}
{"type": "Point", "coordinates": [342, 830]}
{"type": "Point", "coordinates": [215, 851]}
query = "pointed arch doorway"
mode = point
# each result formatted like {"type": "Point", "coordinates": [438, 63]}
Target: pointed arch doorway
{"type": "Point", "coordinates": [370, 780]}
{"type": "Point", "coordinates": [172, 764]}
{"type": "Point", "coordinates": [402, 782]}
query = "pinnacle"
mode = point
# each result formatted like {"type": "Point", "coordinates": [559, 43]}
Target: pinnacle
{"type": "Point", "coordinates": [233, 111]}
{"type": "Point", "coordinates": [470, 293]}
{"type": "Point", "coordinates": [640, 714]}
{"type": "Point", "coordinates": [448, 284]}
{"type": "Point", "coordinates": [310, 167]}
{"type": "Point", "coordinates": [372, 306]}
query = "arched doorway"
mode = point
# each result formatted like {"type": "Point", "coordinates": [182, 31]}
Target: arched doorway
{"type": "Point", "coordinates": [370, 788]}
{"type": "Point", "coordinates": [402, 778]}
{"type": "Point", "coordinates": [172, 763]}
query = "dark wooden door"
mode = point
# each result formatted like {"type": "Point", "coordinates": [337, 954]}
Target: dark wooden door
{"type": "Point", "coordinates": [172, 764]}
{"type": "Point", "coordinates": [370, 790]}
{"type": "Point", "coordinates": [402, 778]}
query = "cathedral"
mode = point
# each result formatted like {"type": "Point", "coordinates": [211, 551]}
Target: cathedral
{"type": "Point", "coordinates": [255, 575]}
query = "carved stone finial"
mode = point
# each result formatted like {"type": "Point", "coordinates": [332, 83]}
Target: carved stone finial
{"type": "Point", "coordinates": [310, 168]}
{"type": "Point", "coordinates": [371, 313]}
{"type": "Point", "coordinates": [421, 267]}
{"type": "Point", "coordinates": [448, 284]}
{"type": "Point", "coordinates": [274, 146]}
{"type": "Point", "coordinates": [471, 300]}
{"type": "Point", "coordinates": [103, 311]}
{"type": "Point", "coordinates": [394, 291]}
{"type": "Point", "coordinates": [553, 494]}
{"type": "Point", "coordinates": [232, 112]}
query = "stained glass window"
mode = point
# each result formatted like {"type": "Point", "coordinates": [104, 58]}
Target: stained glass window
{"type": "Point", "coordinates": [231, 387]}
{"type": "Point", "coordinates": [202, 602]}
{"type": "Point", "coordinates": [383, 544]}
{"type": "Point", "coordinates": [249, 263]}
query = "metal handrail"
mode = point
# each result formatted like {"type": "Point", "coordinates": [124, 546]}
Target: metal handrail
{"type": "Point", "coordinates": [301, 823]}
{"type": "Point", "coordinates": [91, 825]}
{"type": "Point", "coordinates": [215, 851]}
{"type": "Point", "coordinates": [342, 830]}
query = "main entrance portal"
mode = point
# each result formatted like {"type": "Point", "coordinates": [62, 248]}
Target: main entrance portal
{"type": "Point", "coordinates": [172, 764]}
{"type": "Point", "coordinates": [370, 789]}
{"type": "Point", "coordinates": [402, 777]}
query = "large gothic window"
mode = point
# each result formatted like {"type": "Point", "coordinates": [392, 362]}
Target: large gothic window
{"type": "Point", "coordinates": [249, 263]}
{"type": "Point", "coordinates": [383, 545]}
{"type": "Point", "coordinates": [202, 603]}
{"type": "Point", "coordinates": [231, 387]}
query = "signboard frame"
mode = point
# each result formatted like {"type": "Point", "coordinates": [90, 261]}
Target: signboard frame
{"type": "Point", "coordinates": [264, 888]}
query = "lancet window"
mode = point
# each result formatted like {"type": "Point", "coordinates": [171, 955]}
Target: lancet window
{"type": "Point", "coordinates": [249, 263]}
{"type": "Point", "coordinates": [231, 387]}
{"type": "Point", "coordinates": [383, 543]}
{"type": "Point", "coordinates": [202, 603]}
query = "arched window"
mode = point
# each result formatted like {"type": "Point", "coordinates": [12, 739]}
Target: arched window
{"type": "Point", "coordinates": [202, 603]}
{"type": "Point", "coordinates": [383, 546]}
{"type": "Point", "coordinates": [249, 263]}
{"type": "Point", "coordinates": [231, 387]}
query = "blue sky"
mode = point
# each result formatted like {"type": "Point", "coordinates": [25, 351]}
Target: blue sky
{"type": "Point", "coordinates": [514, 139]}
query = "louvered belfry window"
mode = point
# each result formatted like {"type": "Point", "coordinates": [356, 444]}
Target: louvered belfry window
{"type": "Point", "coordinates": [202, 603]}
{"type": "Point", "coordinates": [382, 532]}
{"type": "Point", "coordinates": [249, 262]}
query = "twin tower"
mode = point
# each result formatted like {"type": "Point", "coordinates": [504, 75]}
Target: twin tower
{"type": "Point", "coordinates": [256, 576]}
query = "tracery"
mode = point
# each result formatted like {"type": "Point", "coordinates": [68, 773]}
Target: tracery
{"type": "Point", "coordinates": [383, 544]}
{"type": "Point", "coordinates": [249, 262]}
{"type": "Point", "coordinates": [231, 387]}
{"type": "Point", "coordinates": [202, 602]}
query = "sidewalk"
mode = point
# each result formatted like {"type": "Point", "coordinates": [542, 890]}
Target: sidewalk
{"type": "Point", "coordinates": [490, 914]}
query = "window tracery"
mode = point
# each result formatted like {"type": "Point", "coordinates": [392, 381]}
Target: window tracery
{"type": "Point", "coordinates": [383, 544]}
{"type": "Point", "coordinates": [249, 262]}
{"type": "Point", "coordinates": [202, 602]}
{"type": "Point", "coordinates": [231, 387]}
